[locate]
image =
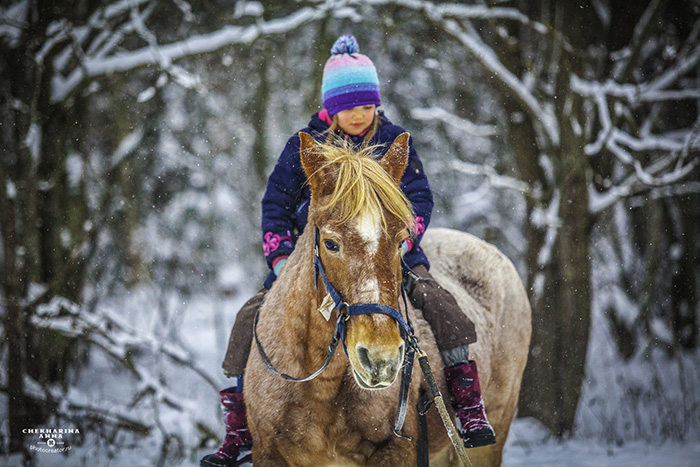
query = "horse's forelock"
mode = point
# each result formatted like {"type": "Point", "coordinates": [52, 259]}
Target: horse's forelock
{"type": "Point", "coordinates": [361, 187]}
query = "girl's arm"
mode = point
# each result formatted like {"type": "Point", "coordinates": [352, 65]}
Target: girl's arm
{"type": "Point", "coordinates": [284, 187]}
{"type": "Point", "coordinates": [415, 186]}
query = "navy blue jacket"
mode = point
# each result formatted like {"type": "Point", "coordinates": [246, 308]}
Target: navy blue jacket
{"type": "Point", "coordinates": [285, 205]}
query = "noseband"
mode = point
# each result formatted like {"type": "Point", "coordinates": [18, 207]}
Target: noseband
{"type": "Point", "coordinates": [345, 311]}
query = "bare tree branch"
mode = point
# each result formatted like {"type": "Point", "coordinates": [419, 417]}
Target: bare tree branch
{"type": "Point", "coordinates": [462, 124]}
{"type": "Point", "coordinates": [641, 32]}
{"type": "Point", "coordinates": [490, 61]}
{"type": "Point", "coordinates": [495, 179]}
{"type": "Point", "coordinates": [104, 64]}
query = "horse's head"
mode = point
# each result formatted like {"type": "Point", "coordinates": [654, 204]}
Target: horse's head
{"type": "Point", "coordinates": [362, 217]}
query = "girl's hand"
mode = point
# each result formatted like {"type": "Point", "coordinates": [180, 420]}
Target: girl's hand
{"type": "Point", "coordinates": [405, 247]}
{"type": "Point", "coordinates": [278, 266]}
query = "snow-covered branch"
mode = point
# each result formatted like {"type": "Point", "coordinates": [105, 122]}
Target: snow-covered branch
{"type": "Point", "coordinates": [666, 170]}
{"type": "Point", "coordinates": [631, 93]}
{"type": "Point", "coordinates": [657, 178]}
{"type": "Point", "coordinates": [495, 179]}
{"type": "Point", "coordinates": [114, 337]}
{"type": "Point", "coordinates": [670, 76]}
{"type": "Point", "coordinates": [653, 142]}
{"type": "Point", "coordinates": [442, 11]}
{"type": "Point", "coordinates": [669, 168]}
{"type": "Point", "coordinates": [546, 218]}
{"type": "Point", "coordinates": [459, 123]}
{"type": "Point", "coordinates": [490, 61]}
{"type": "Point", "coordinates": [605, 123]}
{"type": "Point", "coordinates": [104, 62]}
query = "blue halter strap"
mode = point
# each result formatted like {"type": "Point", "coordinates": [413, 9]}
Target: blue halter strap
{"type": "Point", "coordinates": [406, 327]}
{"type": "Point", "coordinates": [345, 311]}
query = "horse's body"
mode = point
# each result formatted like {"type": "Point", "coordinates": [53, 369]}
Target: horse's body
{"type": "Point", "coordinates": [487, 288]}
{"type": "Point", "coordinates": [331, 420]}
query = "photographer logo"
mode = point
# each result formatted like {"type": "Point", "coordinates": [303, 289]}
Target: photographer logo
{"type": "Point", "coordinates": [51, 440]}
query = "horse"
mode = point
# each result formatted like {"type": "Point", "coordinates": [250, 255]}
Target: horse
{"type": "Point", "coordinates": [358, 218]}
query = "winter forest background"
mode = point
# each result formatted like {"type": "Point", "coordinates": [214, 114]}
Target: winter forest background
{"type": "Point", "coordinates": [136, 137]}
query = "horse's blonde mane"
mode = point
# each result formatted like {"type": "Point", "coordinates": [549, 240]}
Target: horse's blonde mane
{"type": "Point", "coordinates": [362, 185]}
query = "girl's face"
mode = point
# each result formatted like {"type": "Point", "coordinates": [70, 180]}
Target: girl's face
{"type": "Point", "coordinates": [356, 120]}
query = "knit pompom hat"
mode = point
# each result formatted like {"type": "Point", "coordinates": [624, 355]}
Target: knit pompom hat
{"type": "Point", "coordinates": [349, 78]}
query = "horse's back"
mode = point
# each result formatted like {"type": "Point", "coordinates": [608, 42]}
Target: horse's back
{"type": "Point", "coordinates": [489, 290]}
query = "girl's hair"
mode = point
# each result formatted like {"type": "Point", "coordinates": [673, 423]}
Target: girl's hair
{"type": "Point", "coordinates": [371, 131]}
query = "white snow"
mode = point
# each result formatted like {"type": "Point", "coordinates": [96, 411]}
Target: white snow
{"type": "Point", "coordinates": [246, 8]}
{"type": "Point", "coordinates": [127, 146]}
{"type": "Point", "coordinates": [146, 95]}
{"type": "Point", "coordinates": [490, 61]}
{"type": "Point", "coordinates": [33, 141]}
{"type": "Point", "coordinates": [105, 64]}
{"type": "Point", "coordinates": [13, 17]}
{"type": "Point", "coordinates": [462, 124]}
{"type": "Point", "coordinates": [528, 446]}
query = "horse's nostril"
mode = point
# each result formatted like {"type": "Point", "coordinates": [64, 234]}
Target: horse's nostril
{"type": "Point", "coordinates": [363, 356]}
{"type": "Point", "coordinates": [378, 365]}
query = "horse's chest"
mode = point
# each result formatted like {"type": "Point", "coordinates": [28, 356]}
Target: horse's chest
{"type": "Point", "coordinates": [334, 432]}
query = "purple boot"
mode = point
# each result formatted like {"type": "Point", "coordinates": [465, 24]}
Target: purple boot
{"type": "Point", "coordinates": [235, 449]}
{"type": "Point", "coordinates": [463, 384]}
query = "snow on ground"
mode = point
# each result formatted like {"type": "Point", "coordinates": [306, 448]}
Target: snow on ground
{"type": "Point", "coordinates": [528, 446]}
{"type": "Point", "coordinates": [203, 326]}
{"type": "Point", "coordinates": [523, 450]}
{"type": "Point", "coordinates": [582, 453]}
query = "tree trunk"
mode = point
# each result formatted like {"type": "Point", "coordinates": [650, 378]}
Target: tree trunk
{"type": "Point", "coordinates": [34, 140]}
{"type": "Point", "coordinates": [561, 316]}
{"type": "Point", "coordinates": [561, 319]}
{"type": "Point", "coordinates": [684, 294]}
{"type": "Point", "coordinates": [13, 322]}
{"type": "Point", "coordinates": [18, 266]}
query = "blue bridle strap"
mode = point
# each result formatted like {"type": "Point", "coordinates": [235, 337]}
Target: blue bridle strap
{"type": "Point", "coordinates": [360, 309]}
{"type": "Point", "coordinates": [345, 311]}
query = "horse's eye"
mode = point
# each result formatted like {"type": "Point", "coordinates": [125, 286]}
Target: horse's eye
{"type": "Point", "coordinates": [331, 245]}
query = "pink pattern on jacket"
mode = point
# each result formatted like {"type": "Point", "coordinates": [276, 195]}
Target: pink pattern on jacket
{"type": "Point", "coordinates": [271, 241]}
{"type": "Point", "coordinates": [419, 226]}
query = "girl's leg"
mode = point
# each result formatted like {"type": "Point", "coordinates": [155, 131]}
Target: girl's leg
{"type": "Point", "coordinates": [452, 328]}
{"type": "Point", "coordinates": [235, 448]}
{"type": "Point", "coordinates": [454, 331]}
{"type": "Point", "coordinates": [242, 336]}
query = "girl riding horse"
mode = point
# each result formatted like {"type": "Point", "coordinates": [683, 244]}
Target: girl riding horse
{"type": "Point", "coordinates": [350, 116]}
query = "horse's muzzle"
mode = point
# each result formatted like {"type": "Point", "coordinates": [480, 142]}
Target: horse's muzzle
{"type": "Point", "coordinates": [378, 367]}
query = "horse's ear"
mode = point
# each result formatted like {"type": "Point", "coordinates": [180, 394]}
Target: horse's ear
{"type": "Point", "coordinates": [396, 158]}
{"type": "Point", "coordinates": [311, 160]}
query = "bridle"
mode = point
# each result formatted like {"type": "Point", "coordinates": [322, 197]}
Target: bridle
{"type": "Point", "coordinates": [345, 312]}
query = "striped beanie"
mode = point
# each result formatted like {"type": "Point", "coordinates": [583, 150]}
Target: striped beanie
{"type": "Point", "coordinates": [349, 78]}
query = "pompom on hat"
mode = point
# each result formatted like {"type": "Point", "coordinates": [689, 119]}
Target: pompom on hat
{"type": "Point", "coordinates": [349, 78]}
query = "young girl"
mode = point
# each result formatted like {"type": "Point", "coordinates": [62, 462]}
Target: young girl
{"type": "Point", "coordinates": [350, 99]}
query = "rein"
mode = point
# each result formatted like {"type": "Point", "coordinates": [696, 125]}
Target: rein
{"type": "Point", "coordinates": [345, 311]}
